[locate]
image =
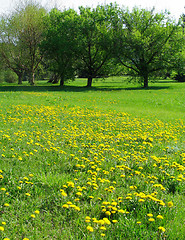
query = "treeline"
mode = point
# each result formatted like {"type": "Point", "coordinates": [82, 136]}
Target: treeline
{"type": "Point", "coordinates": [91, 43]}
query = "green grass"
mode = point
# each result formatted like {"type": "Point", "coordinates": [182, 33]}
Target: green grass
{"type": "Point", "coordinates": [92, 162]}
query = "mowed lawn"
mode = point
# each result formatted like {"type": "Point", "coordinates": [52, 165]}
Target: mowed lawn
{"type": "Point", "coordinates": [106, 162]}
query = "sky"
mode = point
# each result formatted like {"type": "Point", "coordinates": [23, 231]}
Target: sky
{"type": "Point", "coordinates": [176, 7]}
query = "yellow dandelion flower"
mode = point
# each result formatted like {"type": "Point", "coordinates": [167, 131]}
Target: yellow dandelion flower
{"type": "Point", "coordinates": [151, 219]}
{"type": "Point", "coordinates": [37, 211]}
{"type": "Point", "coordinates": [33, 215]}
{"type": "Point", "coordinates": [3, 223]}
{"type": "Point", "coordinates": [102, 234]}
{"type": "Point", "coordinates": [108, 213]}
{"type": "Point", "coordinates": [64, 194]}
{"type": "Point", "coordinates": [122, 211]}
{"type": "Point", "coordinates": [65, 206]}
{"type": "Point", "coordinates": [162, 229]}
{"type": "Point", "coordinates": [128, 198]}
{"type": "Point", "coordinates": [6, 205]}
{"type": "Point", "coordinates": [170, 204]}
{"type": "Point", "coordinates": [138, 222]}
{"type": "Point", "coordinates": [114, 221]}
{"type": "Point", "coordinates": [90, 229]}
{"type": "Point", "coordinates": [1, 228]}
{"type": "Point", "coordinates": [77, 208]}
{"type": "Point", "coordinates": [150, 215]}
{"type": "Point", "coordinates": [101, 221]}
{"type": "Point", "coordinates": [160, 217]}
{"type": "Point", "coordinates": [103, 228]}
{"type": "Point", "coordinates": [106, 220]}
{"type": "Point", "coordinates": [28, 194]}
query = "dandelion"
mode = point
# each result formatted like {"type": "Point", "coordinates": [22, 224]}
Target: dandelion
{"type": "Point", "coordinates": [64, 194]}
{"type": "Point", "coordinates": [108, 213]}
{"type": "Point", "coordinates": [162, 229]}
{"type": "Point", "coordinates": [114, 221]}
{"type": "Point", "coordinates": [160, 217]}
{"type": "Point", "coordinates": [37, 211]}
{"type": "Point", "coordinates": [90, 229]}
{"type": "Point", "coordinates": [106, 220]}
{"type": "Point", "coordinates": [102, 234]}
{"type": "Point", "coordinates": [170, 204]}
{"type": "Point", "coordinates": [138, 222]}
{"type": "Point", "coordinates": [150, 215]}
{"type": "Point", "coordinates": [101, 221]}
{"type": "Point", "coordinates": [3, 223]}
{"type": "Point", "coordinates": [6, 239]}
{"type": "Point", "coordinates": [1, 228]}
{"type": "Point", "coordinates": [6, 205]}
{"type": "Point", "coordinates": [128, 198]}
{"type": "Point", "coordinates": [79, 194]}
{"type": "Point", "coordinates": [65, 206]}
{"type": "Point", "coordinates": [103, 228]}
{"type": "Point", "coordinates": [77, 208]}
{"type": "Point", "coordinates": [151, 219]}
{"type": "Point", "coordinates": [28, 194]}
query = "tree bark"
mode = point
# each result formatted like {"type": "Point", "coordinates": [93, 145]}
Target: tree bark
{"type": "Point", "coordinates": [20, 79]}
{"type": "Point", "coordinates": [32, 79]}
{"type": "Point", "coordinates": [89, 81]}
{"type": "Point", "coordinates": [62, 81]}
{"type": "Point", "coordinates": [145, 80]}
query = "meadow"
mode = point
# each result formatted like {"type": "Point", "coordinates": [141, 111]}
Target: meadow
{"type": "Point", "coordinates": [106, 162]}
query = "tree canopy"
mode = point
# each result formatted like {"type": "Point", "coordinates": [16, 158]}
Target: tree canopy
{"type": "Point", "coordinates": [21, 35]}
{"type": "Point", "coordinates": [90, 42]}
{"type": "Point", "coordinates": [146, 42]}
{"type": "Point", "coordinates": [60, 42]}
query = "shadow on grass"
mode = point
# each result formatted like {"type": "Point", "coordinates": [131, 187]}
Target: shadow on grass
{"type": "Point", "coordinates": [73, 88]}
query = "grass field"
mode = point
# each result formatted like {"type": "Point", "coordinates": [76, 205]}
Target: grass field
{"type": "Point", "coordinates": [100, 163]}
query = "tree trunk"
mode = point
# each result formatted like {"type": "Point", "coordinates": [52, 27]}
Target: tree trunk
{"type": "Point", "coordinates": [61, 81]}
{"type": "Point", "coordinates": [20, 79]}
{"type": "Point", "coordinates": [32, 79]}
{"type": "Point", "coordinates": [146, 80]}
{"type": "Point", "coordinates": [89, 81]}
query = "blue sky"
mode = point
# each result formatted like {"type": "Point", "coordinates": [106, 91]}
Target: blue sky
{"type": "Point", "coordinates": [176, 7]}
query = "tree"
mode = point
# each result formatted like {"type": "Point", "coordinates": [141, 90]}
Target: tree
{"type": "Point", "coordinates": [60, 43]}
{"type": "Point", "coordinates": [21, 35]}
{"type": "Point", "coordinates": [95, 44]}
{"type": "Point", "coordinates": [11, 53]}
{"type": "Point", "coordinates": [146, 42]}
